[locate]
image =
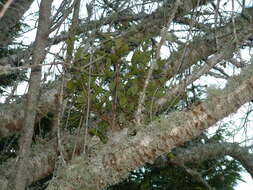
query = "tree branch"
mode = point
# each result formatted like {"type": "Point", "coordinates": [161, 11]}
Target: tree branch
{"type": "Point", "coordinates": [143, 30]}
{"type": "Point", "coordinates": [38, 57]}
{"type": "Point", "coordinates": [203, 152]}
{"type": "Point", "coordinates": [115, 160]}
{"type": "Point", "coordinates": [8, 21]}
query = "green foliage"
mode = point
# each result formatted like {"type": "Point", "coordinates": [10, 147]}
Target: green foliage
{"type": "Point", "coordinates": [115, 82]}
{"type": "Point", "coordinates": [44, 126]}
{"type": "Point", "coordinates": [8, 80]}
{"type": "Point", "coordinates": [100, 133]}
{"type": "Point", "coordinates": [8, 148]}
{"type": "Point", "coordinates": [128, 85]}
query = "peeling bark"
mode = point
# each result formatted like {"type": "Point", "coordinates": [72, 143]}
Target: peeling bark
{"type": "Point", "coordinates": [114, 161]}
{"type": "Point", "coordinates": [202, 48]}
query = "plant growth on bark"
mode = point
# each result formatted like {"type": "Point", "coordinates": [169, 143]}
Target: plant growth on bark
{"type": "Point", "coordinates": [122, 92]}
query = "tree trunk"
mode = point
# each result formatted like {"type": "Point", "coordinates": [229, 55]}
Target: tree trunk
{"type": "Point", "coordinates": [33, 94]}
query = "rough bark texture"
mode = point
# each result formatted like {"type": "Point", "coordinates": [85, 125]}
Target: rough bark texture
{"type": "Point", "coordinates": [43, 161]}
{"type": "Point", "coordinates": [33, 94]}
{"type": "Point", "coordinates": [200, 47]}
{"type": "Point", "coordinates": [211, 151]}
{"type": "Point", "coordinates": [44, 157]}
{"type": "Point", "coordinates": [115, 160]}
{"type": "Point", "coordinates": [158, 19]}
{"type": "Point", "coordinates": [12, 115]}
{"type": "Point", "coordinates": [108, 164]}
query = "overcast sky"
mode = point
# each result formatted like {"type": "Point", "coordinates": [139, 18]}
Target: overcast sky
{"type": "Point", "coordinates": [248, 184]}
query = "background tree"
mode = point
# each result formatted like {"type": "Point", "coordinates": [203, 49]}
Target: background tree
{"type": "Point", "coordinates": [121, 89]}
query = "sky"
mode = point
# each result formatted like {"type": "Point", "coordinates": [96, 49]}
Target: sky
{"type": "Point", "coordinates": [248, 184]}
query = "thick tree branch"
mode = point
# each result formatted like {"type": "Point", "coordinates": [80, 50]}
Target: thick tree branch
{"type": "Point", "coordinates": [12, 115]}
{"type": "Point", "coordinates": [44, 157]}
{"type": "Point", "coordinates": [116, 159]}
{"type": "Point", "coordinates": [202, 47]}
{"type": "Point", "coordinates": [153, 140]}
{"type": "Point", "coordinates": [210, 151]}
{"type": "Point", "coordinates": [7, 125]}
{"type": "Point", "coordinates": [198, 49]}
{"type": "Point", "coordinates": [38, 57]}
{"type": "Point", "coordinates": [177, 90]}
{"type": "Point", "coordinates": [143, 30]}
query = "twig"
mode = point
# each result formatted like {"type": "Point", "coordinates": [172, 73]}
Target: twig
{"type": "Point", "coordinates": [88, 106]}
{"type": "Point", "coordinates": [140, 109]}
{"type": "Point", "coordinates": [5, 7]}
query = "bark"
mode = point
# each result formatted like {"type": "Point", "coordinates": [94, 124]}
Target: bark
{"type": "Point", "coordinates": [172, 130]}
{"type": "Point", "coordinates": [115, 160]}
{"type": "Point", "coordinates": [8, 21]}
{"type": "Point", "coordinates": [44, 157]}
{"type": "Point", "coordinates": [5, 7]}
{"type": "Point", "coordinates": [201, 47]}
{"type": "Point", "coordinates": [10, 123]}
{"type": "Point", "coordinates": [203, 152]}
{"type": "Point", "coordinates": [150, 26]}
{"type": "Point", "coordinates": [12, 115]}
{"type": "Point", "coordinates": [33, 93]}
{"type": "Point", "coordinates": [106, 164]}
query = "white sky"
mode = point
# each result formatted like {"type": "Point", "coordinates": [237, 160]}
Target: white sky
{"type": "Point", "coordinates": [248, 184]}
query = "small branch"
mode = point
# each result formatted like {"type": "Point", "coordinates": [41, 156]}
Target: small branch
{"type": "Point", "coordinates": [5, 7]}
{"type": "Point", "coordinates": [221, 71]}
{"type": "Point", "coordinates": [203, 152]}
{"type": "Point", "coordinates": [33, 95]}
{"type": "Point", "coordinates": [178, 89]}
{"type": "Point", "coordinates": [139, 115]}
{"type": "Point", "coordinates": [194, 174]}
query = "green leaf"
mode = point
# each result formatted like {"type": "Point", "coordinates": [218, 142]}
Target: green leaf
{"type": "Point", "coordinates": [141, 58]}
{"type": "Point", "coordinates": [121, 47]}
{"type": "Point", "coordinates": [134, 88]}
{"type": "Point", "coordinates": [123, 101]}
{"type": "Point", "coordinates": [112, 85]}
{"type": "Point", "coordinates": [71, 85]}
{"type": "Point", "coordinates": [170, 155]}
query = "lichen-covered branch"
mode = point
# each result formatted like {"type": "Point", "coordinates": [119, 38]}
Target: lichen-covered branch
{"type": "Point", "coordinates": [200, 48]}
{"type": "Point", "coordinates": [11, 123]}
{"type": "Point", "coordinates": [12, 115]}
{"type": "Point", "coordinates": [203, 46]}
{"type": "Point", "coordinates": [43, 159]}
{"type": "Point", "coordinates": [114, 161]}
{"type": "Point", "coordinates": [203, 152]}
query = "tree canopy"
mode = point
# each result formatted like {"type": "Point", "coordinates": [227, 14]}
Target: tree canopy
{"type": "Point", "coordinates": [119, 94]}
